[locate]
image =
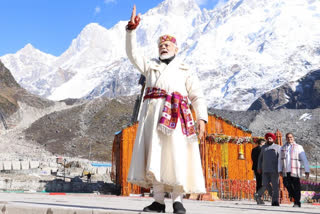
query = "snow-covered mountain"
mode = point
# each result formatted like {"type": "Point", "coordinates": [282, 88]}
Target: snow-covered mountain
{"type": "Point", "coordinates": [240, 50]}
{"type": "Point", "coordinates": [29, 66]}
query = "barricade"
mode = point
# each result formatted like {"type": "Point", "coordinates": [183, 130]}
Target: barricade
{"type": "Point", "coordinates": [234, 189]}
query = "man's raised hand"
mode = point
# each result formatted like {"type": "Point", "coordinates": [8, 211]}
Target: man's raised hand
{"type": "Point", "coordinates": [133, 14]}
{"type": "Point", "coordinates": [134, 20]}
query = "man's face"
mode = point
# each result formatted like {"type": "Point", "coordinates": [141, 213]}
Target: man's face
{"type": "Point", "coordinates": [167, 49]}
{"type": "Point", "coordinates": [262, 143]}
{"type": "Point", "coordinates": [270, 140]}
{"type": "Point", "coordinates": [290, 138]}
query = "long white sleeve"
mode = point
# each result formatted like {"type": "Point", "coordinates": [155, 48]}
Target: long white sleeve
{"type": "Point", "coordinates": [196, 97]}
{"type": "Point", "coordinates": [137, 59]}
{"type": "Point", "coordinates": [303, 158]}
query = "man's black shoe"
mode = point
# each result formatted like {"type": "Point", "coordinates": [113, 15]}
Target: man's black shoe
{"type": "Point", "coordinates": [178, 208]}
{"type": "Point", "coordinates": [276, 203]}
{"type": "Point", "coordinates": [155, 207]}
{"type": "Point", "coordinates": [297, 205]}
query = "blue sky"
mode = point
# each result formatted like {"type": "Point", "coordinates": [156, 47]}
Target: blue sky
{"type": "Point", "coordinates": [50, 25]}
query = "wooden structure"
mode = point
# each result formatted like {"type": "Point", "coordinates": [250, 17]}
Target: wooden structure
{"type": "Point", "coordinates": [220, 153]}
{"type": "Point", "coordinates": [121, 157]}
{"type": "Point", "coordinates": [225, 156]}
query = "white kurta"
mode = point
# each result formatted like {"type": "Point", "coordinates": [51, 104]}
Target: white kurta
{"type": "Point", "coordinates": [157, 157]}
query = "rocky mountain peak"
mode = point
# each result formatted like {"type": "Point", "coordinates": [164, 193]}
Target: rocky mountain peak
{"type": "Point", "coordinates": [6, 78]}
{"type": "Point", "coordinates": [91, 30]}
{"type": "Point", "coordinates": [28, 48]}
{"type": "Point", "coordinates": [11, 93]}
{"type": "Point", "coordinates": [301, 94]}
{"type": "Point", "coordinates": [87, 36]}
{"type": "Point", "coordinates": [31, 52]}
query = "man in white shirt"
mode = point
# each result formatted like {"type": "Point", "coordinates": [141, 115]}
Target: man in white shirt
{"type": "Point", "coordinates": [292, 157]}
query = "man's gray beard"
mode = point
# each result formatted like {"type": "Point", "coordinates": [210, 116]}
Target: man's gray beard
{"type": "Point", "coordinates": [165, 56]}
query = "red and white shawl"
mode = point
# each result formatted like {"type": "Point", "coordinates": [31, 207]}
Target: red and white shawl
{"type": "Point", "coordinates": [296, 167]}
{"type": "Point", "coordinates": [175, 108]}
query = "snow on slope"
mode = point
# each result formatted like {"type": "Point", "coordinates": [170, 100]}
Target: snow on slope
{"type": "Point", "coordinates": [255, 47]}
{"type": "Point", "coordinates": [240, 50]}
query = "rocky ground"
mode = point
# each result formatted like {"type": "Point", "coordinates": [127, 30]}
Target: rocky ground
{"type": "Point", "coordinates": [85, 130]}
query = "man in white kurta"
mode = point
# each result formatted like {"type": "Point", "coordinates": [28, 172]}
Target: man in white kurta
{"type": "Point", "coordinates": [168, 161]}
{"type": "Point", "coordinates": [292, 157]}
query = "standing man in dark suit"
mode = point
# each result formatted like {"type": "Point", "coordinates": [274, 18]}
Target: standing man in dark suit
{"type": "Point", "coordinates": [268, 166]}
{"type": "Point", "coordinates": [254, 157]}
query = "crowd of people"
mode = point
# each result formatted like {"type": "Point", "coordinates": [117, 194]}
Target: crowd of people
{"type": "Point", "coordinates": [271, 160]}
